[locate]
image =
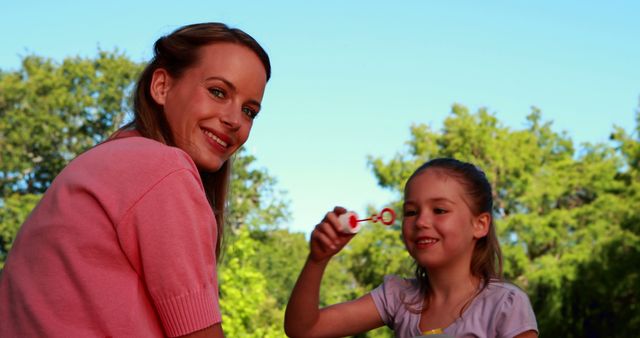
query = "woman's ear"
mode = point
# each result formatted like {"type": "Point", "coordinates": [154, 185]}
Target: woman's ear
{"type": "Point", "coordinates": [481, 225]}
{"type": "Point", "coordinates": [160, 84]}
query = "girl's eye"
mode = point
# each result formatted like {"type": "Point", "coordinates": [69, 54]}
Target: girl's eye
{"type": "Point", "coordinates": [217, 92]}
{"type": "Point", "coordinates": [439, 211]}
{"type": "Point", "coordinates": [250, 112]}
{"type": "Point", "coordinates": [409, 213]}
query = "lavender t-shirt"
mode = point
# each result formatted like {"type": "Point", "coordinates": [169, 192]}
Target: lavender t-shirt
{"type": "Point", "coordinates": [500, 310]}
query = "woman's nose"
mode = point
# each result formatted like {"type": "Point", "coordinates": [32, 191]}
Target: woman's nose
{"type": "Point", "coordinates": [230, 116]}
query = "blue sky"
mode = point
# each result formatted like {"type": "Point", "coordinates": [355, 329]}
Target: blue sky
{"type": "Point", "coordinates": [350, 77]}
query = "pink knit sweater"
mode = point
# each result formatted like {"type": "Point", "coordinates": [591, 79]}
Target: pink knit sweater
{"type": "Point", "coordinates": [122, 244]}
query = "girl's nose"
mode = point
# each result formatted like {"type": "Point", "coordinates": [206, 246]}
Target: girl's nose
{"type": "Point", "coordinates": [423, 221]}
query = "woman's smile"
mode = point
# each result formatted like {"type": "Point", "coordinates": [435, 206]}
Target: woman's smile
{"type": "Point", "coordinates": [220, 142]}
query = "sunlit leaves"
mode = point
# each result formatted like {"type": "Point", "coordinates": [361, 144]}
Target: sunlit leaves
{"type": "Point", "coordinates": [559, 211]}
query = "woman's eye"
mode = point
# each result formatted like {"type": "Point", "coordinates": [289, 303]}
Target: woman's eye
{"type": "Point", "coordinates": [217, 92]}
{"type": "Point", "coordinates": [250, 112]}
{"type": "Point", "coordinates": [439, 211]}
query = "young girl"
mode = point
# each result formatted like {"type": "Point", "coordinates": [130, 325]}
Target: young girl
{"type": "Point", "coordinates": [125, 240]}
{"type": "Point", "coordinates": [447, 228]}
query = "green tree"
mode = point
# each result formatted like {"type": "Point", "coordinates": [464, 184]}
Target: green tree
{"type": "Point", "coordinates": [559, 213]}
{"type": "Point", "coordinates": [51, 112]}
{"type": "Point", "coordinates": [605, 297]}
{"type": "Point", "coordinates": [14, 210]}
{"type": "Point", "coordinates": [279, 257]}
{"type": "Point", "coordinates": [248, 309]}
{"type": "Point", "coordinates": [253, 198]}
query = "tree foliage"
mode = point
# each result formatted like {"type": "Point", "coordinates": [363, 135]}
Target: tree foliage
{"type": "Point", "coordinates": [253, 198]}
{"type": "Point", "coordinates": [567, 219]}
{"type": "Point", "coordinates": [567, 215]}
{"type": "Point", "coordinates": [50, 112]}
{"type": "Point", "coordinates": [248, 309]}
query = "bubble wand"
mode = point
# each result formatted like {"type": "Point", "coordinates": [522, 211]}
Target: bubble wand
{"type": "Point", "coordinates": [350, 222]}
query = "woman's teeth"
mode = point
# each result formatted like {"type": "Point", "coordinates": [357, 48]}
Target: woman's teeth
{"type": "Point", "coordinates": [215, 138]}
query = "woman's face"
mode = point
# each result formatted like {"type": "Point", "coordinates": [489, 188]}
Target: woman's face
{"type": "Point", "coordinates": [210, 108]}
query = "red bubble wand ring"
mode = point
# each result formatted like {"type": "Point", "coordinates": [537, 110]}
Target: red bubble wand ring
{"type": "Point", "coordinates": [349, 221]}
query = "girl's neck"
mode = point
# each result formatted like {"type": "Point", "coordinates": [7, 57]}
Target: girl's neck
{"type": "Point", "coordinates": [452, 292]}
{"type": "Point", "coordinates": [452, 283]}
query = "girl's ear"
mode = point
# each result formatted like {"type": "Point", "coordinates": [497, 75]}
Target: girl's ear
{"type": "Point", "coordinates": [481, 225]}
{"type": "Point", "coordinates": [160, 84]}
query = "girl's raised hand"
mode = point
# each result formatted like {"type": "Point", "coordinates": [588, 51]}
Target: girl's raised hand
{"type": "Point", "coordinates": [327, 239]}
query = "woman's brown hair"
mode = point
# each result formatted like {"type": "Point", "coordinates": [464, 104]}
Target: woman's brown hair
{"type": "Point", "coordinates": [175, 53]}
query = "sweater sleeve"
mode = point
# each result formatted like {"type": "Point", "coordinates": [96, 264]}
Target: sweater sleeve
{"type": "Point", "coordinates": [169, 237]}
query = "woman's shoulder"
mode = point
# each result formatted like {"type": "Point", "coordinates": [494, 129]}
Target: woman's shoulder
{"type": "Point", "coordinates": [139, 145]}
{"type": "Point", "coordinates": [131, 164]}
{"type": "Point", "coordinates": [137, 152]}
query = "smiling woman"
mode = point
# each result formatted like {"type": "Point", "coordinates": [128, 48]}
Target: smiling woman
{"type": "Point", "coordinates": [130, 231]}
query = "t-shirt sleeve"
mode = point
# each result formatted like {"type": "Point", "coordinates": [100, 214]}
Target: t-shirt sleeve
{"type": "Point", "coordinates": [517, 315]}
{"type": "Point", "coordinates": [385, 296]}
{"type": "Point", "coordinates": [169, 237]}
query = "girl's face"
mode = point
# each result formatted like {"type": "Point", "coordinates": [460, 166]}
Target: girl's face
{"type": "Point", "coordinates": [210, 108]}
{"type": "Point", "coordinates": [439, 228]}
